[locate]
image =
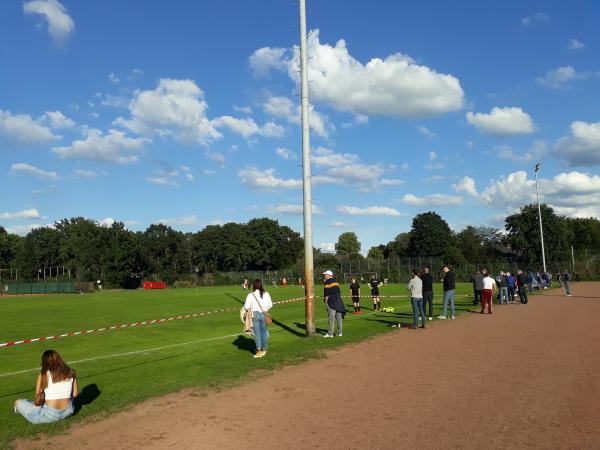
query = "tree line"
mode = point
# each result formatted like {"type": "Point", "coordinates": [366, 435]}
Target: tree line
{"type": "Point", "coordinates": [123, 257]}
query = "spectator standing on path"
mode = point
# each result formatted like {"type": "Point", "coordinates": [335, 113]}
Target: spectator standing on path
{"type": "Point", "coordinates": [567, 282]}
{"type": "Point", "coordinates": [374, 284]}
{"type": "Point", "coordinates": [449, 287]}
{"type": "Point", "coordinates": [521, 283]}
{"type": "Point", "coordinates": [477, 287]}
{"type": "Point", "coordinates": [335, 305]}
{"type": "Point", "coordinates": [489, 288]}
{"type": "Point", "coordinates": [427, 279]}
{"type": "Point", "coordinates": [510, 284]}
{"type": "Point", "coordinates": [502, 282]}
{"type": "Point", "coordinates": [258, 302]}
{"type": "Point", "coordinates": [355, 295]}
{"type": "Point", "coordinates": [415, 286]}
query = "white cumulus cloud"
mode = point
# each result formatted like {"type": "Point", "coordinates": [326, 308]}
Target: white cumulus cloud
{"type": "Point", "coordinates": [285, 153]}
{"type": "Point", "coordinates": [60, 24]}
{"type": "Point", "coordinates": [23, 129]}
{"type": "Point", "coordinates": [575, 44]}
{"type": "Point", "coordinates": [394, 86]}
{"type": "Point", "coordinates": [56, 119]}
{"type": "Point", "coordinates": [247, 127]}
{"type": "Point", "coordinates": [184, 221]}
{"type": "Point", "coordinates": [292, 209]}
{"type": "Point", "coordinates": [284, 108]}
{"type": "Point", "coordinates": [175, 108]}
{"type": "Point", "coordinates": [431, 200]}
{"type": "Point", "coordinates": [466, 184]}
{"type": "Point", "coordinates": [505, 121]}
{"type": "Point", "coordinates": [23, 214]}
{"type": "Point", "coordinates": [582, 148]}
{"type": "Point", "coordinates": [265, 179]}
{"type": "Point", "coordinates": [28, 169]}
{"type": "Point", "coordinates": [539, 17]}
{"type": "Point", "coordinates": [114, 147]}
{"type": "Point", "coordinates": [368, 211]}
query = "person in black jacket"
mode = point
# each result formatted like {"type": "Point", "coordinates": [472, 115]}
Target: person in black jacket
{"type": "Point", "coordinates": [521, 283]}
{"type": "Point", "coordinates": [477, 279]}
{"type": "Point", "coordinates": [427, 279]}
{"type": "Point", "coordinates": [449, 287]}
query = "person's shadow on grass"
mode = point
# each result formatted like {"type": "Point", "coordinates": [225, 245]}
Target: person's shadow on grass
{"type": "Point", "coordinates": [245, 343]}
{"type": "Point", "coordinates": [87, 395]}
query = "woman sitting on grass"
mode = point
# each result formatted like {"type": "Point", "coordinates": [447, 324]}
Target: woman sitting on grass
{"type": "Point", "coordinates": [55, 389]}
{"type": "Point", "coordinates": [258, 302]}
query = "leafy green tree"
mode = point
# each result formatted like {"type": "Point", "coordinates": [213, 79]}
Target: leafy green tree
{"type": "Point", "coordinates": [347, 245]}
{"type": "Point", "coordinates": [123, 263]}
{"type": "Point", "coordinates": [524, 234]}
{"type": "Point", "coordinates": [430, 235]}
{"type": "Point", "coordinates": [376, 252]}
{"type": "Point", "coordinates": [585, 232]}
{"type": "Point", "coordinates": [9, 247]}
{"type": "Point", "coordinates": [162, 248]}
{"type": "Point", "coordinates": [39, 250]}
{"type": "Point", "coordinates": [399, 247]}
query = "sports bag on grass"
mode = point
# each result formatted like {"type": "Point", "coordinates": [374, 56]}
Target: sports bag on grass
{"type": "Point", "coordinates": [268, 318]}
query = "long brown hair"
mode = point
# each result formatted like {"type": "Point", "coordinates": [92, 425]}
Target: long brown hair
{"type": "Point", "coordinates": [52, 362]}
{"type": "Point", "coordinates": [258, 285]}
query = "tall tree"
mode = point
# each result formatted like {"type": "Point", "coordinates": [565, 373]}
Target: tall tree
{"type": "Point", "coordinates": [399, 247]}
{"type": "Point", "coordinates": [376, 252]}
{"type": "Point", "coordinates": [524, 234]}
{"type": "Point", "coordinates": [430, 235]}
{"type": "Point", "coordinates": [347, 245]}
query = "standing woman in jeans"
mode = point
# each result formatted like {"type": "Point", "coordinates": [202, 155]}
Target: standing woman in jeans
{"type": "Point", "coordinates": [55, 389]}
{"type": "Point", "coordinates": [258, 302]}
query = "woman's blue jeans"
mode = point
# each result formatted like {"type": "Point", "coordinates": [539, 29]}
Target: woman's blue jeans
{"type": "Point", "coordinates": [42, 414]}
{"type": "Point", "coordinates": [259, 328]}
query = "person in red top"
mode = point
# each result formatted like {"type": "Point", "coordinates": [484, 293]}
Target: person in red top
{"type": "Point", "coordinates": [284, 282]}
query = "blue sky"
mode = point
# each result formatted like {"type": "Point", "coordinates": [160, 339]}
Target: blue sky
{"type": "Point", "coordinates": [187, 112]}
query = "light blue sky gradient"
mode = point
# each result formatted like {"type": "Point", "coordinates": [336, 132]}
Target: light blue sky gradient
{"type": "Point", "coordinates": [537, 62]}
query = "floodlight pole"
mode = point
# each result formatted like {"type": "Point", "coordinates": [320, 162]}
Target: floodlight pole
{"type": "Point", "coordinates": [537, 192]}
{"type": "Point", "coordinates": [309, 282]}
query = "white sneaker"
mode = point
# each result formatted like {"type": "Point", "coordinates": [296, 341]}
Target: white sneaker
{"type": "Point", "coordinates": [339, 334]}
{"type": "Point", "coordinates": [327, 335]}
{"type": "Point", "coordinates": [430, 318]}
{"type": "Point", "coordinates": [452, 317]}
{"type": "Point", "coordinates": [442, 317]}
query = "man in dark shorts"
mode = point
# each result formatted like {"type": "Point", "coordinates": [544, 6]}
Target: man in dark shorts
{"type": "Point", "coordinates": [374, 285]}
{"type": "Point", "coordinates": [355, 295]}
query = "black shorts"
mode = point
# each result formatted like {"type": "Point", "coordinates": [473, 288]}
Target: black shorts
{"type": "Point", "coordinates": [374, 292]}
{"type": "Point", "coordinates": [355, 299]}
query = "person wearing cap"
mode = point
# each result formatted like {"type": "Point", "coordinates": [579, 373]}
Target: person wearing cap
{"type": "Point", "coordinates": [335, 305]}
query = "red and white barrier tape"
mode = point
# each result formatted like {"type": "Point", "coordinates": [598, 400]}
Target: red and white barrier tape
{"type": "Point", "coordinates": [155, 321]}
{"type": "Point", "coordinates": [130, 325]}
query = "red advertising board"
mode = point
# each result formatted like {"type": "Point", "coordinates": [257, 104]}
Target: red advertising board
{"type": "Point", "coordinates": [154, 285]}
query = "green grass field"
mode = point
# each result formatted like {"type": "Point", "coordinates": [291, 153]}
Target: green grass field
{"type": "Point", "coordinates": [121, 367]}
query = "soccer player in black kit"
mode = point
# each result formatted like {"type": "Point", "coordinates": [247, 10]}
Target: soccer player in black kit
{"type": "Point", "coordinates": [355, 295]}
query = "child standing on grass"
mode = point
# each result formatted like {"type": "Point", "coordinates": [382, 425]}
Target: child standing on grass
{"type": "Point", "coordinates": [55, 389]}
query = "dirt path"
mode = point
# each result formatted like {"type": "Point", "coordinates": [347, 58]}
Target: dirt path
{"type": "Point", "coordinates": [527, 376]}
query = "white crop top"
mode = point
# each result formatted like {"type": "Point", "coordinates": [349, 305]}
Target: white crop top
{"type": "Point", "coordinates": [58, 391]}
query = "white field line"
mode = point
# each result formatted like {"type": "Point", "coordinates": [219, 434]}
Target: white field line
{"type": "Point", "coordinates": [155, 349]}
